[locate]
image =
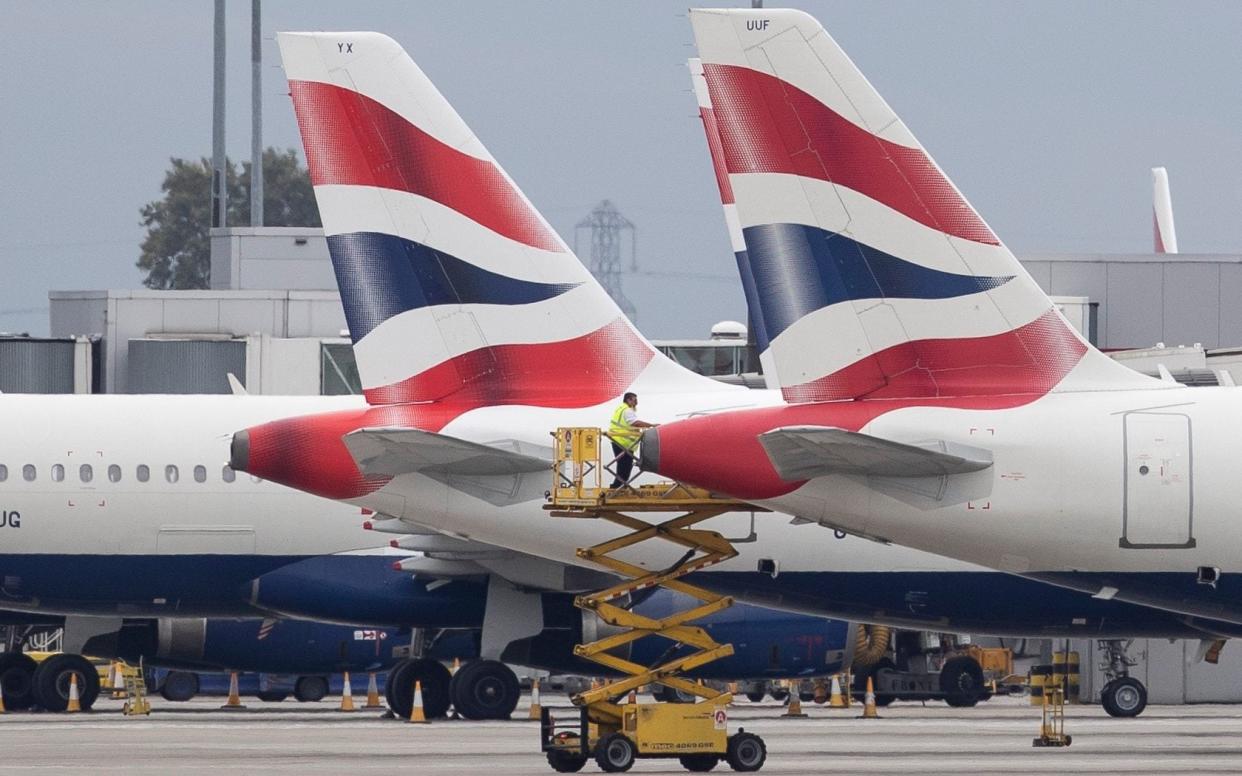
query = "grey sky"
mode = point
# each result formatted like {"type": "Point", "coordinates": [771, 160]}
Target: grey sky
{"type": "Point", "coordinates": [1047, 115]}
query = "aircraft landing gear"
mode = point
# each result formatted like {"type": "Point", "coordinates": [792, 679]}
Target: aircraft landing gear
{"type": "Point", "coordinates": [484, 689]}
{"type": "Point", "coordinates": [52, 680]}
{"type": "Point", "coordinates": [17, 680]}
{"type": "Point", "coordinates": [435, 680]}
{"type": "Point", "coordinates": [1123, 695]}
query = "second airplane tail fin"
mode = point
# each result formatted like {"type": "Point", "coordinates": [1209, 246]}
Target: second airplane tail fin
{"type": "Point", "coordinates": [736, 239]}
{"type": "Point", "coordinates": [876, 278]}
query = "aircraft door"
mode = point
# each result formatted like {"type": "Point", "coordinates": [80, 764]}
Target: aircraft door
{"type": "Point", "coordinates": [1158, 507]}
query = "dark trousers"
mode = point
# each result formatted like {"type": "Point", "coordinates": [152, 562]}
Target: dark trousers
{"type": "Point", "coordinates": [625, 465]}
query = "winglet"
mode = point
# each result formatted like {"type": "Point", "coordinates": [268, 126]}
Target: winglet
{"type": "Point", "coordinates": [236, 386]}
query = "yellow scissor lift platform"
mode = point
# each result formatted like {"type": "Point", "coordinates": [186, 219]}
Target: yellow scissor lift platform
{"type": "Point", "coordinates": [614, 733]}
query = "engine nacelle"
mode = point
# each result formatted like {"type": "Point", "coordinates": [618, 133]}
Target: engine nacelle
{"type": "Point", "coordinates": [351, 589]}
{"type": "Point", "coordinates": [270, 646]}
{"type": "Point", "coordinates": [765, 642]}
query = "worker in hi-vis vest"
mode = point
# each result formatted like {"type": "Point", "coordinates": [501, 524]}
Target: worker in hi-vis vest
{"type": "Point", "coordinates": [625, 433]}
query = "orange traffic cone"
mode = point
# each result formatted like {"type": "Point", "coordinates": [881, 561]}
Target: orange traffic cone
{"type": "Point", "coordinates": [536, 708]}
{"type": "Point", "coordinates": [416, 711]}
{"type": "Point", "coordinates": [75, 701]}
{"type": "Point", "coordinates": [2, 709]}
{"type": "Point", "coordinates": [234, 701]}
{"type": "Point", "coordinates": [794, 709]}
{"type": "Point", "coordinates": [347, 696]}
{"type": "Point", "coordinates": [373, 699]}
{"type": "Point", "coordinates": [835, 700]}
{"type": "Point", "coordinates": [869, 710]}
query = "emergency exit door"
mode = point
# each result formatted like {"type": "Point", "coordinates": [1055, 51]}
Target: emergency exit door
{"type": "Point", "coordinates": [1158, 507]}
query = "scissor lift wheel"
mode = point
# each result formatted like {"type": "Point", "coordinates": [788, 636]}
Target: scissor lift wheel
{"type": "Point", "coordinates": [616, 734]}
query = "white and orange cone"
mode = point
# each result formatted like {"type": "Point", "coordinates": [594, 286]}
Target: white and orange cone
{"type": "Point", "coordinates": [118, 683]}
{"type": "Point", "coordinates": [869, 710]}
{"type": "Point", "coordinates": [794, 709]}
{"type": "Point", "coordinates": [347, 695]}
{"type": "Point", "coordinates": [75, 701]}
{"type": "Point", "coordinates": [835, 700]}
{"type": "Point", "coordinates": [373, 699]}
{"type": "Point", "coordinates": [417, 714]}
{"type": "Point", "coordinates": [536, 708]}
{"type": "Point", "coordinates": [234, 701]}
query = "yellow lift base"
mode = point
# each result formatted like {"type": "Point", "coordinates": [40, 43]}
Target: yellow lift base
{"type": "Point", "coordinates": [616, 734]}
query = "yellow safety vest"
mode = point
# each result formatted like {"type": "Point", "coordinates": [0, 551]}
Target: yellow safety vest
{"type": "Point", "coordinates": [623, 433]}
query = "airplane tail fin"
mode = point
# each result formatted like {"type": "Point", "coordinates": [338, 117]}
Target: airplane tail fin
{"type": "Point", "coordinates": [875, 277]}
{"type": "Point", "coordinates": [1162, 212]}
{"type": "Point", "coordinates": [454, 286]}
{"type": "Point", "coordinates": [736, 239]}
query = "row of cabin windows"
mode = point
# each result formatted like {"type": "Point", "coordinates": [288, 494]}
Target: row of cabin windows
{"type": "Point", "coordinates": [142, 473]}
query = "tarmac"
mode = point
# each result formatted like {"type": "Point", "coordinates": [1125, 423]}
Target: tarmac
{"type": "Point", "coordinates": [910, 738]}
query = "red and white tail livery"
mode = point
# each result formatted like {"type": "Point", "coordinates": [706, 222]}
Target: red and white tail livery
{"type": "Point", "coordinates": [455, 288]}
{"type": "Point", "coordinates": [876, 278]}
{"type": "Point", "coordinates": [1165, 235]}
{"type": "Point", "coordinates": [736, 240]}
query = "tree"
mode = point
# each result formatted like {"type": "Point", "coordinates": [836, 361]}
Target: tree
{"type": "Point", "coordinates": [176, 252]}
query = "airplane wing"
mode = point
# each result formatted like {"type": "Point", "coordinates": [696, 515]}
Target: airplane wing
{"type": "Point", "coordinates": [394, 451]}
{"type": "Point", "coordinates": [804, 452]}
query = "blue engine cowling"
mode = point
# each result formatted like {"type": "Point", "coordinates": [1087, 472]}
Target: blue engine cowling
{"type": "Point", "coordinates": [270, 646]}
{"type": "Point", "coordinates": [766, 643]}
{"type": "Point", "coordinates": [352, 589]}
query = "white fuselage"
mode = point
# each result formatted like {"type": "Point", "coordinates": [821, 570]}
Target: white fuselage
{"type": "Point", "coordinates": [102, 492]}
{"type": "Point", "coordinates": [1109, 481]}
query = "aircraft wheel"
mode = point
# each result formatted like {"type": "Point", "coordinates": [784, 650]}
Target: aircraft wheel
{"type": "Point", "coordinates": [272, 696]}
{"type": "Point", "coordinates": [435, 679]}
{"type": "Point", "coordinates": [1124, 697]}
{"type": "Point", "coordinates": [484, 689]}
{"type": "Point", "coordinates": [395, 678]}
{"type": "Point", "coordinates": [310, 689]}
{"type": "Point", "coordinates": [179, 686]}
{"type": "Point", "coordinates": [17, 680]}
{"type": "Point", "coordinates": [755, 696]}
{"type": "Point", "coordinates": [52, 680]}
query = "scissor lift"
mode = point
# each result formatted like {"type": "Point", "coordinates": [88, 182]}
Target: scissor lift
{"type": "Point", "coordinates": [614, 733]}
